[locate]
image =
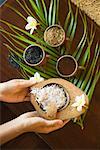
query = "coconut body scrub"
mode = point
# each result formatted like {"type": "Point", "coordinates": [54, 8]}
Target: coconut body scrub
{"type": "Point", "coordinates": [50, 99]}
{"type": "Point", "coordinates": [63, 100]}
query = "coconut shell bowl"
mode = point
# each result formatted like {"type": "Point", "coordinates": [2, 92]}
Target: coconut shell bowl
{"type": "Point", "coordinates": [71, 91]}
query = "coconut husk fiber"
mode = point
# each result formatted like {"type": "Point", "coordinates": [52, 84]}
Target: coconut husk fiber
{"type": "Point", "coordinates": [90, 7]}
{"type": "Point", "coordinates": [67, 113]}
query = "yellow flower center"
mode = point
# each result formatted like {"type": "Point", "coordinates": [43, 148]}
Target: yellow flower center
{"type": "Point", "coordinates": [33, 24]}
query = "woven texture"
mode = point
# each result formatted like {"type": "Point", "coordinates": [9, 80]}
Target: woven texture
{"type": "Point", "coordinates": [90, 7]}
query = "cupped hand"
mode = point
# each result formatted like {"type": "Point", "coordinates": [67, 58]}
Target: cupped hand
{"type": "Point", "coordinates": [31, 122]}
{"type": "Point", "coordinates": [16, 90]}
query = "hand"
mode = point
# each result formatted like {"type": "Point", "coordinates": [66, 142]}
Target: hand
{"type": "Point", "coordinates": [16, 90]}
{"type": "Point", "coordinates": [31, 122]}
{"type": "Point", "coordinates": [28, 122]}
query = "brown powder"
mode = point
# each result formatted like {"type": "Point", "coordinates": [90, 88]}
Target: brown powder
{"type": "Point", "coordinates": [66, 66]}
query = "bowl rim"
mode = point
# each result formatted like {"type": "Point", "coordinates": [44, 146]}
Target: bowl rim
{"type": "Point", "coordinates": [75, 70]}
{"type": "Point", "coordinates": [66, 93]}
{"type": "Point", "coordinates": [55, 25]}
{"type": "Point", "coordinates": [39, 61]}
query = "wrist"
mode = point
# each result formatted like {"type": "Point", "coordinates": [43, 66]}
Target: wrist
{"type": "Point", "coordinates": [10, 130]}
{"type": "Point", "coordinates": [19, 125]}
{"type": "Point", "coordinates": [28, 124]}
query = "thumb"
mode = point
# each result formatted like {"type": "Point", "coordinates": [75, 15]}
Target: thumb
{"type": "Point", "coordinates": [26, 83]}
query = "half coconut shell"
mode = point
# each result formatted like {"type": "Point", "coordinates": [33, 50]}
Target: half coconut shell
{"type": "Point", "coordinates": [68, 112]}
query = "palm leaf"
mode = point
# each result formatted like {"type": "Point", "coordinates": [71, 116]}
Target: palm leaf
{"type": "Point", "coordinates": [54, 13]}
{"type": "Point", "coordinates": [91, 90]}
{"type": "Point", "coordinates": [29, 13]}
{"type": "Point", "coordinates": [38, 3]}
{"type": "Point", "coordinates": [48, 72]}
{"type": "Point", "coordinates": [86, 56]}
{"type": "Point", "coordinates": [21, 5]}
{"type": "Point", "coordinates": [57, 12]}
{"type": "Point", "coordinates": [71, 22]}
{"type": "Point", "coordinates": [28, 9]}
{"type": "Point", "coordinates": [50, 13]}
{"type": "Point", "coordinates": [38, 12]}
{"type": "Point", "coordinates": [14, 46]}
{"type": "Point", "coordinates": [67, 20]}
{"type": "Point", "coordinates": [74, 26]}
{"type": "Point", "coordinates": [82, 42]}
{"type": "Point", "coordinates": [16, 11]}
{"type": "Point", "coordinates": [92, 67]}
{"type": "Point", "coordinates": [70, 30]}
{"type": "Point", "coordinates": [38, 39]}
{"type": "Point", "coordinates": [45, 11]}
{"type": "Point", "coordinates": [81, 81]}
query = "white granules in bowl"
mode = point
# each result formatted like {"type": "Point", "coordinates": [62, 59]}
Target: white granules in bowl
{"type": "Point", "coordinates": [51, 97]}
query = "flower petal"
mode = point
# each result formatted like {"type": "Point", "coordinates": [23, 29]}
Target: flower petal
{"type": "Point", "coordinates": [79, 108]}
{"type": "Point", "coordinates": [30, 19]}
{"type": "Point", "coordinates": [37, 78]}
{"type": "Point", "coordinates": [77, 98]}
{"type": "Point", "coordinates": [83, 100]}
{"type": "Point", "coordinates": [74, 104]}
{"type": "Point", "coordinates": [79, 102]}
{"type": "Point", "coordinates": [28, 27]}
{"type": "Point", "coordinates": [33, 80]}
{"type": "Point", "coordinates": [41, 79]}
{"type": "Point", "coordinates": [37, 75]}
{"type": "Point", "coordinates": [32, 30]}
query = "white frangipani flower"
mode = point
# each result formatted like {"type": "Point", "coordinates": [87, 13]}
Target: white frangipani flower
{"type": "Point", "coordinates": [32, 24]}
{"type": "Point", "coordinates": [79, 102]}
{"type": "Point", "coordinates": [37, 78]}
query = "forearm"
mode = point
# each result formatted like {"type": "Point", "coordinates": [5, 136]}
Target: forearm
{"type": "Point", "coordinates": [2, 96]}
{"type": "Point", "coordinates": [10, 130]}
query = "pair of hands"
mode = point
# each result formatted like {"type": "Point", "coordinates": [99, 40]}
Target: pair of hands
{"type": "Point", "coordinates": [17, 90]}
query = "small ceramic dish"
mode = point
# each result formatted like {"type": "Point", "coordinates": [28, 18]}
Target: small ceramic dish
{"type": "Point", "coordinates": [54, 35]}
{"type": "Point", "coordinates": [34, 55]}
{"type": "Point", "coordinates": [67, 66]}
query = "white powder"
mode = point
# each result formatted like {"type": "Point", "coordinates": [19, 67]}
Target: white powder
{"type": "Point", "coordinates": [51, 97]}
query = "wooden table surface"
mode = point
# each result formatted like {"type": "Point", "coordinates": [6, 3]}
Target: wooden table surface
{"type": "Point", "coordinates": [71, 136]}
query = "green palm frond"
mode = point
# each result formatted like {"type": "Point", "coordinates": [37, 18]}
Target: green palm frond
{"type": "Point", "coordinates": [50, 13]}
{"type": "Point", "coordinates": [39, 5]}
{"type": "Point", "coordinates": [38, 12]}
{"type": "Point", "coordinates": [83, 39]}
{"type": "Point", "coordinates": [92, 87]}
{"type": "Point", "coordinates": [27, 8]}
{"type": "Point", "coordinates": [70, 27]}
{"type": "Point", "coordinates": [33, 37]}
{"type": "Point", "coordinates": [45, 11]}
{"type": "Point", "coordinates": [57, 12]}
{"type": "Point", "coordinates": [91, 68]}
{"type": "Point", "coordinates": [72, 20]}
{"type": "Point", "coordinates": [54, 13]}
{"type": "Point", "coordinates": [16, 11]}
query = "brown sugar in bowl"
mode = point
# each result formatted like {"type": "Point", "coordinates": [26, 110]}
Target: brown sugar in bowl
{"type": "Point", "coordinates": [54, 35]}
